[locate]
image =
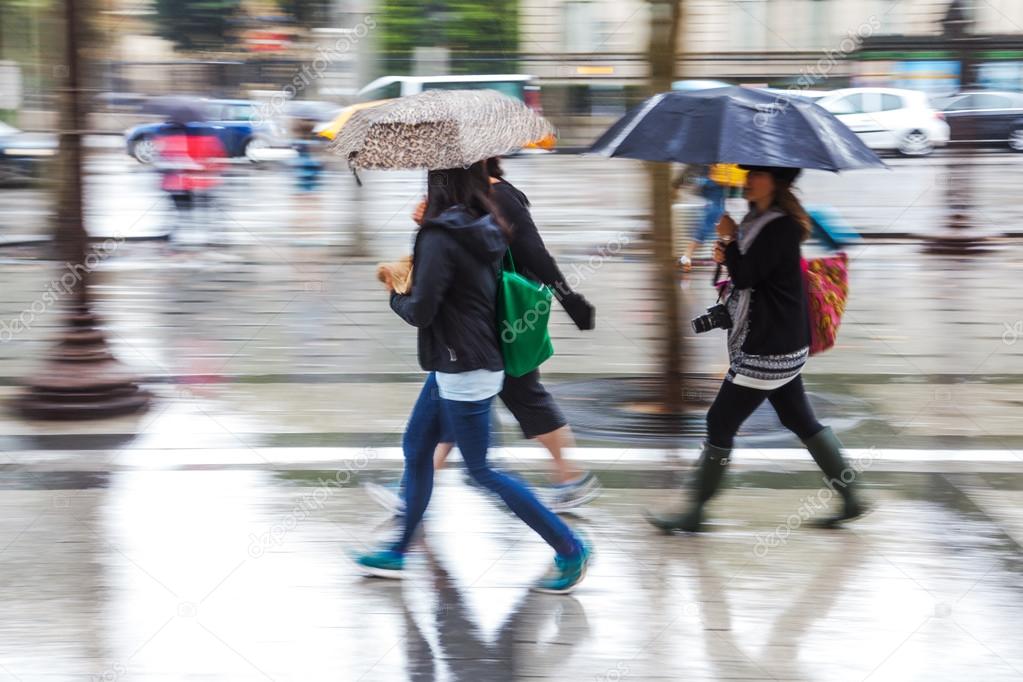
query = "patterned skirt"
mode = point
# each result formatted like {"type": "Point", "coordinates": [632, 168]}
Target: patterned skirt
{"type": "Point", "coordinates": [766, 372]}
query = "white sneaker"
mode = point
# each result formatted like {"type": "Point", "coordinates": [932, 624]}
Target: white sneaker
{"type": "Point", "coordinates": [566, 496]}
{"type": "Point", "coordinates": [387, 496]}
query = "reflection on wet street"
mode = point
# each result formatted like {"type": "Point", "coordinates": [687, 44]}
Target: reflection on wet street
{"type": "Point", "coordinates": [207, 399]}
{"type": "Point", "coordinates": [165, 575]}
{"type": "Point", "coordinates": [201, 540]}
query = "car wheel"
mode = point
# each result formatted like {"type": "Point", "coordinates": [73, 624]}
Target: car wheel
{"type": "Point", "coordinates": [144, 149]}
{"type": "Point", "coordinates": [252, 148]}
{"type": "Point", "coordinates": [1016, 140]}
{"type": "Point", "coordinates": [915, 143]}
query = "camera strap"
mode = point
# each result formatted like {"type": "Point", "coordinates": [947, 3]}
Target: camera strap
{"type": "Point", "coordinates": [719, 284]}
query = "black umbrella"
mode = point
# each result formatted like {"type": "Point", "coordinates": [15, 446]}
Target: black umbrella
{"type": "Point", "coordinates": [736, 125]}
{"type": "Point", "coordinates": [177, 109]}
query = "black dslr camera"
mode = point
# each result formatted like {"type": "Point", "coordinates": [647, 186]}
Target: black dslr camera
{"type": "Point", "coordinates": [717, 317]}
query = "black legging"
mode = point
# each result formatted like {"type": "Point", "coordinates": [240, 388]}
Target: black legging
{"type": "Point", "coordinates": [734, 404]}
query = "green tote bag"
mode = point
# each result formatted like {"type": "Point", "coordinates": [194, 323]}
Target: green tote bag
{"type": "Point", "coordinates": [523, 310]}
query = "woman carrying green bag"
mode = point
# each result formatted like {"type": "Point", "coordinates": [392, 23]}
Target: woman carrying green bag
{"type": "Point", "coordinates": [453, 303]}
{"type": "Point", "coordinates": [529, 401]}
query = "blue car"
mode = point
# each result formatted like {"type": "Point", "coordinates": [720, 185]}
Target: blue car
{"type": "Point", "coordinates": [237, 124]}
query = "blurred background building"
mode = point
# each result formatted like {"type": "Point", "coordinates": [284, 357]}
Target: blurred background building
{"type": "Point", "coordinates": [587, 56]}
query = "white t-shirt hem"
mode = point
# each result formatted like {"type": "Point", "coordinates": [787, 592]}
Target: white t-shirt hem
{"type": "Point", "coordinates": [479, 384]}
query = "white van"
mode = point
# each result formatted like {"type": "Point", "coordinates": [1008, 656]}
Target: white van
{"type": "Point", "coordinates": [519, 86]}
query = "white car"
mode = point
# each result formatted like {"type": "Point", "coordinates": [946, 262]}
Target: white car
{"type": "Point", "coordinates": [520, 86]}
{"type": "Point", "coordinates": [888, 119]}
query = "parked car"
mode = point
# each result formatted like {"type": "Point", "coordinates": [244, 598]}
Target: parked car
{"type": "Point", "coordinates": [698, 84]}
{"type": "Point", "coordinates": [24, 156]}
{"type": "Point", "coordinates": [888, 119]}
{"type": "Point", "coordinates": [237, 123]}
{"type": "Point", "coordinates": [985, 117]}
{"type": "Point", "coordinates": [801, 93]}
{"type": "Point", "coordinates": [519, 86]}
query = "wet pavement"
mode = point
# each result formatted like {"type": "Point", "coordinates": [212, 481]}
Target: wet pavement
{"type": "Point", "coordinates": [165, 575]}
{"type": "Point", "coordinates": [205, 538]}
{"type": "Point", "coordinates": [297, 346]}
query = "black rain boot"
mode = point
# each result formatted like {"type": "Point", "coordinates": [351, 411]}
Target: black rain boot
{"type": "Point", "coordinates": [827, 452]}
{"type": "Point", "coordinates": [705, 482]}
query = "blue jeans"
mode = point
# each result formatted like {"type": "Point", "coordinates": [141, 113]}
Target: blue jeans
{"type": "Point", "coordinates": [470, 422]}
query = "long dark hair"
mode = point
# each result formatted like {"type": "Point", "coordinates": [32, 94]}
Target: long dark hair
{"type": "Point", "coordinates": [785, 199]}
{"type": "Point", "coordinates": [494, 168]}
{"type": "Point", "coordinates": [466, 187]}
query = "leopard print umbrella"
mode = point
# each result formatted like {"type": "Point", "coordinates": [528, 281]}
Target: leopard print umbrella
{"type": "Point", "coordinates": [438, 129]}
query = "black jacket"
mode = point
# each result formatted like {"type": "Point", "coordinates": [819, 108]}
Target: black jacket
{"type": "Point", "coordinates": [778, 312]}
{"type": "Point", "coordinates": [531, 256]}
{"type": "Point", "coordinates": [453, 301]}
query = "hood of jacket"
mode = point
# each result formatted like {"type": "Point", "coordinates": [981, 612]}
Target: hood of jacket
{"type": "Point", "coordinates": [479, 236]}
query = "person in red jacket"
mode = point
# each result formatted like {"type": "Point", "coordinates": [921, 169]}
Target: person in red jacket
{"type": "Point", "coordinates": [189, 161]}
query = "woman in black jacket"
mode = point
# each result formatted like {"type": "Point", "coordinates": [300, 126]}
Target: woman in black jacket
{"type": "Point", "coordinates": [768, 343]}
{"type": "Point", "coordinates": [532, 405]}
{"type": "Point", "coordinates": [453, 303]}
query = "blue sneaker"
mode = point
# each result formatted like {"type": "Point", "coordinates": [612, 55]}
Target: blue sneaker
{"type": "Point", "coordinates": [566, 572]}
{"type": "Point", "coordinates": [382, 564]}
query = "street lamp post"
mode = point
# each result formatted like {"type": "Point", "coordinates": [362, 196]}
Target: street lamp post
{"type": "Point", "coordinates": [80, 378]}
{"type": "Point", "coordinates": [957, 27]}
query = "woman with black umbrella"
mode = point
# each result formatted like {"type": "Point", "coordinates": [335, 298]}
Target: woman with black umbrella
{"type": "Point", "coordinates": [772, 137]}
{"type": "Point", "coordinates": [768, 343]}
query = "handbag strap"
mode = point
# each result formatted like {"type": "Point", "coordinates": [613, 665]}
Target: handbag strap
{"type": "Point", "coordinates": [508, 257]}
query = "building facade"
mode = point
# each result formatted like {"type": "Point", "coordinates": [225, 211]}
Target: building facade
{"type": "Point", "coordinates": [745, 40]}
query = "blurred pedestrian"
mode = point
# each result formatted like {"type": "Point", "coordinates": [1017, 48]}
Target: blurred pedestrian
{"type": "Point", "coordinates": [453, 302]}
{"type": "Point", "coordinates": [307, 163]}
{"type": "Point", "coordinates": [308, 166]}
{"type": "Point", "coordinates": [715, 183]}
{"type": "Point", "coordinates": [532, 405]}
{"type": "Point", "coordinates": [768, 343]}
{"type": "Point", "coordinates": [172, 161]}
{"type": "Point", "coordinates": [188, 159]}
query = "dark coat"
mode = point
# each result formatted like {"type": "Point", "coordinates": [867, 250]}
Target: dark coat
{"type": "Point", "coordinates": [772, 268]}
{"type": "Point", "coordinates": [453, 302]}
{"type": "Point", "coordinates": [531, 256]}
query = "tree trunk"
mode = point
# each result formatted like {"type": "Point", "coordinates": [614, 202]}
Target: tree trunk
{"type": "Point", "coordinates": [665, 24]}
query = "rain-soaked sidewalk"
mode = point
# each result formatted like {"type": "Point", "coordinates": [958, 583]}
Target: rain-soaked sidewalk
{"type": "Point", "coordinates": [240, 575]}
{"type": "Point", "coordinates": [297, 347]}
{"type": "Point", "coordinates": [205, 537]}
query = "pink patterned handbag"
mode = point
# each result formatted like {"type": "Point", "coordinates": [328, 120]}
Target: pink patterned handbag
{"type": "Point", "coordinates": [827, 288]}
